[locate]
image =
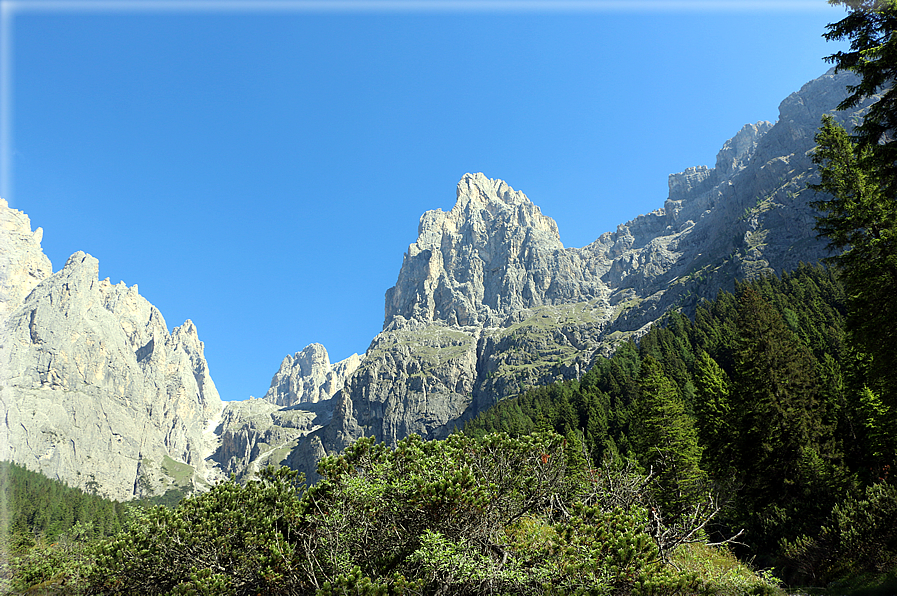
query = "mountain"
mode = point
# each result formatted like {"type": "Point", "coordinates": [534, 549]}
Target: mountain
{"type": "Point", "coordinates": [95, 390]}
{"type": "Point", "coordinates": [308, 376]}
{"type": "Point", "coordinates": [487, 303]}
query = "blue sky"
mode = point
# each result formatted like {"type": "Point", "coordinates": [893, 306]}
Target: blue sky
{"type": "Point", "coordinates": [260, 168]}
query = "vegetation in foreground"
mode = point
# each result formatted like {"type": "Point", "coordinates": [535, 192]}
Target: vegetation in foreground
{"type": "Point", "coordinates": [760, 400]}
{"type": "Point", "coordinates": [465, 515]}
{"type": "Point", "coordinates": [783, 395]}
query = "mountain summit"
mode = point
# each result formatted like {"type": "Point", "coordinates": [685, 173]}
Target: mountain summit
{"type": "Point", "coordinates": [489, 302]}
{"type": "Point", "coordinates": [95, 390]}
{"type": "Point", "coordinates": [476, 264]}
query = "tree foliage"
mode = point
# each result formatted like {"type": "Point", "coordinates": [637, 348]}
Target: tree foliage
{"type": "Point", "coordinates": [860, 175]}
{"type": "Point", "coordinates": [44, 525]}
{"type": "Point", "coordinates": [667, 441]}
{"type": "Point", "coordinates": [870, 26]}
{"type": "Point", "coordinates": [782, 417]}
{"type": "Point", "coordinates": [230, 540]}
{"type": "Point", "coordinates": [37, 505]}
{"type": "Point", "coordinates": [859, 536]}
{"type": "Point", "coordinates": [465, 515]}
{"type": "Point", "coordinates": [860, 220]}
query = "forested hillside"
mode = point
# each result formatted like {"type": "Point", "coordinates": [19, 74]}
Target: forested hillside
{"type": "Point", "coordinates": [760, 398]}
{"type": "Point", "coordinates": [36, 504]}
{"type": "Point", "coordinates": [44, 525]}
{"type": "Point", "coordinates": [781, 398]}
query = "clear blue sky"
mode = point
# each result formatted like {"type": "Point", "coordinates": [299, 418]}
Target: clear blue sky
{"type": "Point", "coordinates": [261, 171]}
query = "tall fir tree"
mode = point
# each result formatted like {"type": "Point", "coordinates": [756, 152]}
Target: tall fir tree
{"type": "Point", "coordinates": [667, 441]}
{"type": "Point", "coordinates": [870, 26]}
{"type": "Point", "coordinates": [860, 220]}
{"type": "Point", "coordinates": [713, 411]}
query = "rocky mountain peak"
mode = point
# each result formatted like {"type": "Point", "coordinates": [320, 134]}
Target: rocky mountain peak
{"type": "Point", "coordinates": [488, 302]}
{"type": "Point", "coordinates": [95, 388]}
{"type": "Point", "coordinates": [738, 150]}
{"type": "Point", "coordinates": [476, 263]}
{"type": "Point", "coordinates": [308, 377]}
{"type": "Point", "coordinates": [483, 207]}
{"type": "Point", "coordinates": [731, 159]}
{"type": "Point", "coordinates": [23, 264]}
{"type": "Point", "coordinates": [479, 197]}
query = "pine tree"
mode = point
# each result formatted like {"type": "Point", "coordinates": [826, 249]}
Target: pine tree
{"type": "Point", "coordinates": [860, 219]}
{"type": "Point", "coordinates": [860, 172]}
{"type": "Point", "coordinates": [666, 440]}
{"type": "Point", "coordinates": [713, 410]}
{"type": "Point", "coordinates": [870, 25]}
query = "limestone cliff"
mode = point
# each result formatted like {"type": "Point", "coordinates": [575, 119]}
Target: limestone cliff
{"type": "Point", "coordinates": [308, 377]}
{"type": "Point", "coordinates": [255, 433]}
{"type": "Point", "coordinates": [23, 264]}
{"type": "Point", "coordinates": [492, 255]}
{"type": "Point", "coordinates": [95, 390]}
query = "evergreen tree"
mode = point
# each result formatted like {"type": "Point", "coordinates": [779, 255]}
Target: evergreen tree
{"type": "Point", "coordinates": [870, 26]}
{"type": "Point", "coordinates": [781, 434]}
{"type": "Point", "coordinates": [713, 409]}
{"type": "Point", "coordinates": [861, 220]}
{"type": "Point", "coordinates": [861, 175]}
{"type": "Point", "coordinates": [667, 440]}
{"type": "Point", "coordinates": [878, 430]}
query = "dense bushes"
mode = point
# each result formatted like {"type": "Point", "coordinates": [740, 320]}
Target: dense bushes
{"type": "Point", "coordinates": [460, 516]}
{"type": "Point", "coordinates": [232, 539]}
{"type": "Point", "coordinates": [859, 535]}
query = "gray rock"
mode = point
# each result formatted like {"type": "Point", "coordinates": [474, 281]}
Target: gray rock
{"type": "Point", "coordinates": [23, 264]}
{"type": "Point", "coordinates": [487, 303]}
{"type": "Point", "coordinates": [414, 379]}
{"type": "Point", "coordinates": [96, 390]}
{"type": "Point", "coordinates": [493, 254]}
{"type": "Point", "coordinates": [255, 433]}
{"type": "Point", "coordinates": [308, 376]}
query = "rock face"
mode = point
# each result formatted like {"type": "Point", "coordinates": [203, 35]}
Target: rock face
{"type": "Point", "coordinates": [95, 390]}
{"type": "Point", "coordinates": [492, 255]}
{"type": "Point", "coordinates": [308, 377]}
{"type": "Point", "coordinates": [255, 433]}
{"type": "Point", "coordinates": [23, 264]}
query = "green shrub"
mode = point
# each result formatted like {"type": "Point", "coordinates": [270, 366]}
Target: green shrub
{"type": "Point", "coordinates": [859, 536]}
{"type": "Point", "coordinates": [233, 539]}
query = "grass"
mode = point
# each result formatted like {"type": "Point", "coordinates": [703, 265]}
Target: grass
{"type": "Point", "coordinates": [551, 317]}
{"type": "Point", "coordinates": [723, 573]}
{"type": "Point", "coordinates": [181, 474]}
{"type": "Point", "coordinates": [625, 305]}
{"type": "Point", "coordinates": [431, 346]}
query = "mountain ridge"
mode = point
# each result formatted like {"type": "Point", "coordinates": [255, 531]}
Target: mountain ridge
{"type": "Point", "coordinates": [487, 303]}
{"type": "Point", "coordinates": [747, 216]}
{"type": "Point", "coordinates": [95, 390]}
